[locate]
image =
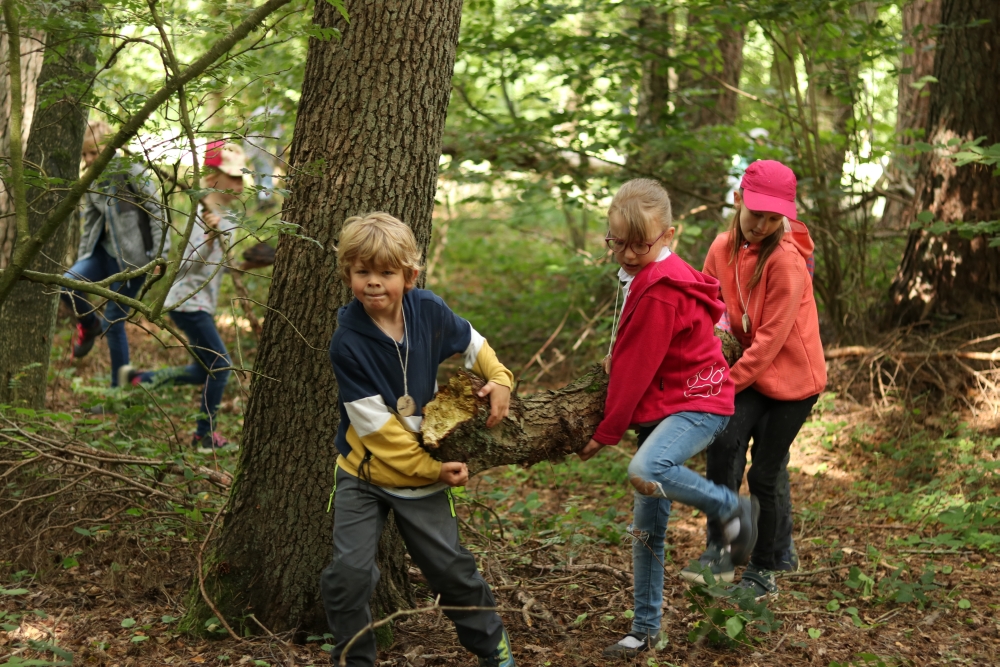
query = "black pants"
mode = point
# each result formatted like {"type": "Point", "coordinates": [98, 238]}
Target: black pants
{"type": "Point", "coordinates": [773, 425]}
{"type": "Point", "coordinates": [430, 531]}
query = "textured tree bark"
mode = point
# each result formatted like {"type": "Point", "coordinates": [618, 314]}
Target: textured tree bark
{"type": "Point", "coordinates": [32, 50]}
{"type": "Point", "coordinates": [946, 273]}
{"type": "Point", "coordinates": [367, 138]}
{"type": "Point", "coordinates": [27, 318]}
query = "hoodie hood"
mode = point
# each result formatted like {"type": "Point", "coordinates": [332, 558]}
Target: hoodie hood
{"type": "Point", "coordinates": [676, 274]}
{"type": "Point", "coordinates": [799, 238]}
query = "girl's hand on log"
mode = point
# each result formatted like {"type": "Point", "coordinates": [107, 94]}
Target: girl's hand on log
{"type": "Point", "coordinates": [454, 473]}
{"type": "Point", "coordinates": [590, 450]}
{"type": "Point", "coordinates": [499, 402]}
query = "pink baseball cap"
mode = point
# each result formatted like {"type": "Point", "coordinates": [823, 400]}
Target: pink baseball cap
{"type": "Point", "coordinates": [227, 158]}
{"type": "Point", "coordinates": [769, 186]}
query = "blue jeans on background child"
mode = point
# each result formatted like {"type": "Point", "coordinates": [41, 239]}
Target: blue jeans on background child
{"type": "Point", "coordinates": [205, 342]}
{"type": "Point", "coordinates": [658, 466]}
{"type": "Point", "coordinates": [97, 267]}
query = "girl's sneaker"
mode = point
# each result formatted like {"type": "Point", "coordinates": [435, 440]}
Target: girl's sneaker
{"type": "Point", "coordinates": [631, 645]}
{"type": "Point", "coordinates": [716, 560]}
{"type": "Point", "coordinates": [760, 581]}
{"type": "Point", "coordinates": [501, 657]}
{"type": "Point", "coordinates": [206, 444]}
{"type": "Point", "coordinates": [747, 513]}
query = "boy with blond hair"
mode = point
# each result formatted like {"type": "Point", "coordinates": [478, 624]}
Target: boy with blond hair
{"type": "Point", "coordinates": [385, 352]}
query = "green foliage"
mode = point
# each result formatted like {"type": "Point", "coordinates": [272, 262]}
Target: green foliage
{"type": "Point", "coordinates": [730, 613]}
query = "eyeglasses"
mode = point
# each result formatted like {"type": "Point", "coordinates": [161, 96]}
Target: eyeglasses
{"type": "Point", "coordinates": [639, 248]}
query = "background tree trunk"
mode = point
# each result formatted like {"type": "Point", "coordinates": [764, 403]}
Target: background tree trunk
{"type": "Point", "coordinates": [912, 105]}
{"type": "Point", "coordinates": [656, 33]}
{"type": "Point", "coordinates": [946, 273]}
{"type": "Point", "coordinates": [32, 51]}
{"type": "Point", "coordinates": [27, 318]}
{"type": "Point", "coordinates": [367, 138]}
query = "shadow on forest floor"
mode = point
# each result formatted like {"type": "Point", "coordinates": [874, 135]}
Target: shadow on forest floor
{"type": "Point", "coordinates": [894, 525]}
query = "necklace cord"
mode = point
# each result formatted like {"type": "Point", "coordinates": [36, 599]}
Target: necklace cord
{"type": "Point", "coordinates": [406, 341]}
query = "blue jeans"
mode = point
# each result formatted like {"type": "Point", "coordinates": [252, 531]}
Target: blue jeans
{"type": "Point", "coordinates": [97, 267]}
{"type": "Point", "coordinates": [203, 337]}
{"type": "Point", "coordinates": [659, 477]}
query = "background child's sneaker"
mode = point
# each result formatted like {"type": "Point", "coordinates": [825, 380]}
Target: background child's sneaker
{"type": "Point", "coordinates": [84, 337]}
{"type": "Point", "coordinates": [630, 645]}
{"type": "Point", "coordinates": [501, 657]}
{"type": "Point", "coordinates": [206, 444]}
{"type": "Point", "coordinates": [127, 375]}
{"type": "Point", "coordinates": [716, 560]}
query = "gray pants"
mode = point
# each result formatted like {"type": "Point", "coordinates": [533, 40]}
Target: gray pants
{"type": "Point", "coordinates": [430, 532]}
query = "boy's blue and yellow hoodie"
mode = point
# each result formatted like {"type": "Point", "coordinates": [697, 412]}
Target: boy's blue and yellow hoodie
{"type": "Point", "coordinates": [370, 377]}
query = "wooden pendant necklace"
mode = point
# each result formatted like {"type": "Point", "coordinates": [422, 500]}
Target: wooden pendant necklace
{"type": "Point", "coordinates": [405, 406]}
{"type": "Point", "coordinates": [745, 320]}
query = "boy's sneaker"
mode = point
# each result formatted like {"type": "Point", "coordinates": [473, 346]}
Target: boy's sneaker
{"type": "Point", "coordinates": [788, 560]}
{"type": "Point", "coordinates": [716, 560]}
{"type": "Point", "coordinates": [742, 545]}
{"type": "Point", "coordinates": [208, 443]}
{"type": "Point", "coordinates": [501, 656]}
{"type": "Point", "coordinates": [630, 645]}
{"type": "Point", "coordinates": [761, 581]}
{"type": "Point", "coordinates": [84, 337]}
{"type": "Point", "coordinates": [127, 375]}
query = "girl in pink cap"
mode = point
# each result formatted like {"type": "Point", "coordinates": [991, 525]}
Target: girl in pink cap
{"type": "Point", "coordinates": [764, 267]}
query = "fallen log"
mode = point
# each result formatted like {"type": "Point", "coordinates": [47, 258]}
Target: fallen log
{"type": "Point", "coordinates": [546, 426]}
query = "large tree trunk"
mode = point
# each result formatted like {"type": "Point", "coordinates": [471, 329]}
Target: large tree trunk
{"type": "Point", "coordinates": [27, 318]}
{"type": "Point", "coordinates": [32, 50]}
{"type": "Point", "coordinates": [947, 273]}
{"type": "Point", "coordinates": [367, 138]}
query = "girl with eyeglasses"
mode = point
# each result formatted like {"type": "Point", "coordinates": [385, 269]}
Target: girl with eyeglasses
{"type": "Point", "coordinates": [671, 382]}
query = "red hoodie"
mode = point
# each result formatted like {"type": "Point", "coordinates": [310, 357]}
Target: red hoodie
{"type": "Point", "coordinates": [666, 358]}
{"type": "Point", "coordinates": [782, 352]}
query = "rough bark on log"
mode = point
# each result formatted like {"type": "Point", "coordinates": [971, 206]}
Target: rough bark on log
{"type": "Point", "coordinates": [546, 426]}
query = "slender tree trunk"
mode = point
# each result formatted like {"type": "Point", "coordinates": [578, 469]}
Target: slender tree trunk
{"type": "Point", "coordinates": [32, 50]}
{"type": "Point", "coordinates": [655, 27]}
{"type": "Point", "coordinates": [912, 104]}
{"type": "Point", "coordinates": [27, 318]}
{"type": "Point", "coordinates": [367, 138]}
{"type": "Point", "coordinates": [946, 273]}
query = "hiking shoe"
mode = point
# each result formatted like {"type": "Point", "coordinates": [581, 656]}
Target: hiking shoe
{"type": "Point", "coordinates": [84, 337]}
{"type": "Point", "coordinates": [127, 375]}
{"type": "Point", "coordinates": [716, 560]}
{"type": "Point", "coordinates": [788, 560]}
{"type": "Point", "coordinates": [760, 581]}
{"type": "Point", "coordinates": [501, 656]}
{"type": "Point", "coordinates": [742, 545]}
{"type": "Point", "coordinates": [630, 645]}
{"type": "Point", "coordinates": [206, 444]}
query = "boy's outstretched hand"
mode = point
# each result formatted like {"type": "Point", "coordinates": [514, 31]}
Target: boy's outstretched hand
{"type": "Point", "coordinates": [454, 473]}
{"type": "Point", "coordinates": [590, 450]}
{"type": "Point", "coordinates": [499, 402]}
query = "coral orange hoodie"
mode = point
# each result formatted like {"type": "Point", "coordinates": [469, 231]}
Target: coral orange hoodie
{"type": "Point", "coordinates": [782, 352]}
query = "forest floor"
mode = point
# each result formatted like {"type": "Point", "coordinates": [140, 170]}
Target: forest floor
{"type": "Point", "coordinates": [894, 526]}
